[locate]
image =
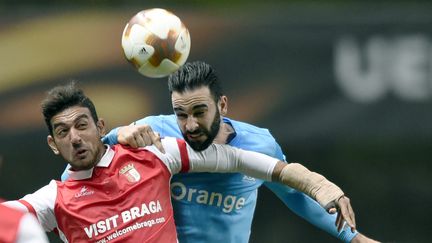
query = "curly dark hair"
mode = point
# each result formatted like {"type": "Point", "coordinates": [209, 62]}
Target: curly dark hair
{"type": "Point", "coordinates": [62, 97]}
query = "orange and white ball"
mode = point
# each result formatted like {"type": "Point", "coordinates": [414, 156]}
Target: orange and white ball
{"type": "Point", "coordinates": [156, 42]}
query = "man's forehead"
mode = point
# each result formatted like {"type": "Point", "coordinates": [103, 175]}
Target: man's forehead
{"type": "Point", "coordinates": [70, 114]}
{"type": "Point", "coordinates": [192, 98]}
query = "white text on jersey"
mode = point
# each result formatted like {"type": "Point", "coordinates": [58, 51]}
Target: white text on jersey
{"type": "Point", "coordinates": [102, 226]}
{"type": "Point", "coordinates": [229, 202]}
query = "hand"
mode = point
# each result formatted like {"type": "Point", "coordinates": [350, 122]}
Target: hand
{"type": "Point", "coordinates": [345, 213]}
{"type": "Point", "coordinates": [139, 136]}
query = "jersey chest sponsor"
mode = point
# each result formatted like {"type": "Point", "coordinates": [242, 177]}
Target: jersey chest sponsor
{"type": "Point", "coordinates": [227, 202]}
{"type": "Point", "coordinates": [113, 222]}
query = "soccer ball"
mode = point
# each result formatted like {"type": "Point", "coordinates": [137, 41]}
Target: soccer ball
{"type": "Point", "coordinates": [156, 42]}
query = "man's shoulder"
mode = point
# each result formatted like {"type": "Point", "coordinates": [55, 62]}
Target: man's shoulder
{"type": "Point", "coordinates": [157, 119]}
{"type": "Point", "coordinates": [249, 129]}
{"type": "Point", "coordinates": [165, 125]}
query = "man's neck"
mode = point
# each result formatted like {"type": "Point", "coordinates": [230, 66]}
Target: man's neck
{"type": "Point", "coordinates": [224, 131]}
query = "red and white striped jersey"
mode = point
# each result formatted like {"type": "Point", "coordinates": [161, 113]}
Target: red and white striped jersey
{"type": "Point", "coordinates": [126, 196]}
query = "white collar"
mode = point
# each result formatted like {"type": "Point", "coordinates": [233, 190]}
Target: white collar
{"type": "Point", "coordinates": [85, 174]}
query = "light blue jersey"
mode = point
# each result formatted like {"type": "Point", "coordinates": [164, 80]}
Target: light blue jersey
{"type": "Point", "coordinates": [215, 208]}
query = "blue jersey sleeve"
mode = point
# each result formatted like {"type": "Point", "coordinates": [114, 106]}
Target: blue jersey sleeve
{"type": "Point", "coordinates": [307, 208]}
{"type": "Point", "coordinates": [111, 137]}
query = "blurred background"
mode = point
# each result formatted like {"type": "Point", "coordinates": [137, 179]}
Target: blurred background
{"type": "Point", "coordinates": [344, 86]}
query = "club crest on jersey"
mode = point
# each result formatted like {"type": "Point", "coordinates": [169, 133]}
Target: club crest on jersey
{"type": "Point", "coordinates": [131, 173]}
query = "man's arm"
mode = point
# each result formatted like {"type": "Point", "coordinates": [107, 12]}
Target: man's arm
{"type": "Point", "coordinates": [224, 158]}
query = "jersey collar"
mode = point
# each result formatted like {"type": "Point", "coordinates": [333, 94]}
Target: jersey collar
{"type": "Point", "coordinates": [234, 133]}
{"type": "Point", "coordinates": [85, 174]}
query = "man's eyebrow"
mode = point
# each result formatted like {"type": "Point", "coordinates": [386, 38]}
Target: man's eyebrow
{"type": "Point", "coordinates": [55, 125]}
{"type": "Point", "coordinates": [178, 109]}
{"type": "Point", "coordinates": [200, 106]}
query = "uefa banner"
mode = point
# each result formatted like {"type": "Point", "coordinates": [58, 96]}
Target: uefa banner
{"type": "Point", "coordinates": [348, 73]}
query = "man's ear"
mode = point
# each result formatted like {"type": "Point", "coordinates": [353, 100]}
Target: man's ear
{"type": "Point", "coordinates": [100, 124]}
{"type": "Point", "coordinates": [52, 145]}
{"type": "Point", "coordinates": [223, 105]}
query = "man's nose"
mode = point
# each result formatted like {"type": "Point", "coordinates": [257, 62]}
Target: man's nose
{"type": "Point", "coordinates": [75, 136]}
{"type": "Point", "coordinates": [191, 124]}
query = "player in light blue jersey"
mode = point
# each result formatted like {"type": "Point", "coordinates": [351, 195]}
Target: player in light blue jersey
{"type": "Point", "coordinates": [215, 208]}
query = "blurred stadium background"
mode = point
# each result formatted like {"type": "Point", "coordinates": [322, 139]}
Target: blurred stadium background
{"type": "Point", "coordinates": [344, 86]}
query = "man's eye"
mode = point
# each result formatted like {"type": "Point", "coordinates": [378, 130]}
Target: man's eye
{"type": "Point", "coordinates": [181, 116]}
{"type": "Point", "coordinates": [199, 113]}
{"type": "Point", "coordinates": [82, 125]}
{"type": "Point", "coordinates": [61, 132]}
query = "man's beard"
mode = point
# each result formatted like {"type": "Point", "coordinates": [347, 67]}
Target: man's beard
{"type": "Point", "coordinates": [214, 129]}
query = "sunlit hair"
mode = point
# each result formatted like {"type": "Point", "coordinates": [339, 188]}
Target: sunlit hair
{"type": "Point", "coordinates": [193, 75]}
{"type": "Point", "coordinates": [62, 97]}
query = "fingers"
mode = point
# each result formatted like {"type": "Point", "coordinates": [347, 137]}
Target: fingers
{"type": "Point", "coordinates": [332, 210]}
{"type": "Point", "coordinates": [139, 136]}
{"type": "Point", "coordinates": [156, 139]}
{"type": "Point", "coordinates": [139, 141]}
{"type": "Point", "coordinates": [346, 213]}
{"type": "Point", "coordinates": [351, 212]}
{"type": "Point", "coordinates": [126, 136]}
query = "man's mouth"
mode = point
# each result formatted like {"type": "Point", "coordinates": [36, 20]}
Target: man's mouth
{"type": "Point", "coordinates": [80, 153]}
{"type": "Point", "coordinates": [194, 136]}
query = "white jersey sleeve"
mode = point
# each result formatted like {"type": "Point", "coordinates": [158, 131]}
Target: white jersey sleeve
{"type": "Point", "coordinates": [29, 231]}
{"type": "Point", "coordinates": [41, 204]}
{"type": "Point", "coordinates": [216, 158]}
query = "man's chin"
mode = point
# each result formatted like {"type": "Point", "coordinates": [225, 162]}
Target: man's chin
{"type": "Point", "coordinates": [82, 165]}
{"type": "Point", "coordinates": [198, 146]}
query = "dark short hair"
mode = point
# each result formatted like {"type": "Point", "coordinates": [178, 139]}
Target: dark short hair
{"type": "Point", "coordinates": [193, 75]}
{"type": "Point", "coordinates": [62, 97]}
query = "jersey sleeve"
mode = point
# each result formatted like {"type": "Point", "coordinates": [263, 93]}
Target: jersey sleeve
{"type": "Point", "coordinates": [30, 231]}
{"type": "Point", "coordinates": [40, 204]}
{"type": "Point", "coordinates": [111, 137]}
{"type": "Point", "coordinates": [224, 158]}
{"type": "Point", "coordinates": [180, 157]}
{"type": "Point", "coordinates": [175, 157]}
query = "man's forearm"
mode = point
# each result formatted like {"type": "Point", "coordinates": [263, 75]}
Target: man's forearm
{"type": "Point", "coordinates": [312, 184]}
